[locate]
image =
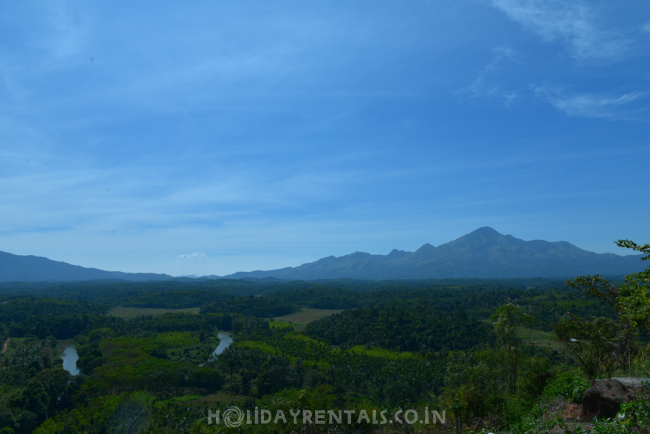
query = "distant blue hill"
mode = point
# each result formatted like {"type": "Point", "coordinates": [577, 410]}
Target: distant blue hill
{"type": "Point", "coordinates": [484, 253]}
{"type": "Point", "coordinates": [16, 268]}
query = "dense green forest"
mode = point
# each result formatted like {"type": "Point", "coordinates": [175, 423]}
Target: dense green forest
{"type": "Point", "coordinates": [261, 307]}
{"type": "Point", "coordinates": [493, 355]}
{"type": "Point", "coordinates": [402, 327]}
{"type": "Point", "coordinates": [176, 295]}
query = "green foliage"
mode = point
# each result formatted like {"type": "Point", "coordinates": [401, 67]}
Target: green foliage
{"type": "Point", "coordinates": [289, 359]}
{"type": "Point", "coordinates": [636, 414]}
{"type": "Point", "coordinates": [255, 345]}
{"type": "Point", "coordinates": [568, 384]}
{"type": "Point", "coordinates": [95, 417]}
{"type": "Point", "coordinates": [402, 327]}
{"type": "Point", "coordinates": [22, 363]}
{"type": "Point", "coordinates": [178, 339]}
{"type": "Point", "coordinates": [634, 299]}
{"type": "Point", "coordinates": [508, 322]}
{"type": "Point", "coordinates": [602, 345]}
{"type": "Point", "coordinates": [107, 326]}
{"type": "Point", "coordinates": [382, 353]}
{"type": "Point", "coordinates": [634, 417]}
{"type": "Point", "coordinates": [167, 294]}
{"type": "Point", "coordinates": [48, 393]}
{"type": "Point", "coordinates": [404, 345]}
{"type": "Point", "coordinates": [132, 414]}
{"type": "Point", "coordinates": [261, 307]}
{"type": "Point", "coordinates": [280, 325]}
{"type": "Point", "coordinates": [176, 299]}
{"type": "Point", "coordinates": [535, 373]}
{"type": "Point", "coordinates": [128, 365]}
{"type": "Point", "coordinates": [17, 309]}
{"type": "Point", "coordinates": [29, 316]}
{"type": "Point", "coordinates": [596, 345]}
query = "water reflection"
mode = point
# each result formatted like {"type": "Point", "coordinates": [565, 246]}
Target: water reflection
{"type": "Point", "coordinates": [69, 355]}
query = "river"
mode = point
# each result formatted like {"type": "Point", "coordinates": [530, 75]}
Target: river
{"type": "Point", "coordinates": [68, 352]}
{"type": "Point", "coordinates": [226, 340]}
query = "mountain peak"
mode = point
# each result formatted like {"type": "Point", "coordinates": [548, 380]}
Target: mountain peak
{"type": "Point", "coordinates": [355, 255]}
{"type": "Point", "coordinates": [395, 254]}
{"type": "Point", "coordinates": [425, 248]}
{"type": "Point", "coordinates": [486, 231]}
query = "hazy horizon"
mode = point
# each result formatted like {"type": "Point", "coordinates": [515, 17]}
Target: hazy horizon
{"type": "Point", "coordinates": [214, 137]}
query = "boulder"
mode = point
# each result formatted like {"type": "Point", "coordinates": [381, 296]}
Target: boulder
{"type": "Point", "coordinates": [603, 398]}
{"type": "Point", "coordinates": [635, 384]}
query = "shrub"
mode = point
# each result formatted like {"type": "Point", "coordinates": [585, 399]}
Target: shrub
{"type": "Point", "coordinates": [568, 384]}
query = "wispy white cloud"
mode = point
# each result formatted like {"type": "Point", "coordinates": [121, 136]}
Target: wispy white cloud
{"type": "Point", "coordinates": [195, 255]}
{"type": "Point", "coordinates": [592, 105]}
{"type": "Point", "coordinates": [572, 22]}
{"type": "Point", "coordinates": [486, 88]}
{"type": "Point", "coordinates": [646, 27]}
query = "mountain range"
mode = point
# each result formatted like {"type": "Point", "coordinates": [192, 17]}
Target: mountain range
{"type": "Point", "coordinates": [484, 253]}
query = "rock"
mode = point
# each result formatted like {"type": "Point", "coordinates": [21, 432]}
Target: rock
{"type": "Point", "coordinates": [635, 384]}
{"type": "Point", "coordinates": [603, 398]}
{"type": "Point", "coordinates": [573, 411]}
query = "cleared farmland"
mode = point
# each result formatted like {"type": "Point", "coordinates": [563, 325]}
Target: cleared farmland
{"type": "Point", "coordinates": [305, 316]}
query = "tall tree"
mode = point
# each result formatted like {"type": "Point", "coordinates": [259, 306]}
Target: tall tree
{"type": "Point", "coordinates": [599, 344]}
{"type": "Point", "coordinates": [509, 322]}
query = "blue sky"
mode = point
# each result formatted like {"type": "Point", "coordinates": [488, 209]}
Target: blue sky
{"type": "Point", "coordinates": [216, 136]}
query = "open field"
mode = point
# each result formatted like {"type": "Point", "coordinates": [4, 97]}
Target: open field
{"type": "Point", "coordinates": [133, 312]}
{"type": "Point", "coordinates": [540, 338]}
{"type": "Point", "coordinates": [305, 316]}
